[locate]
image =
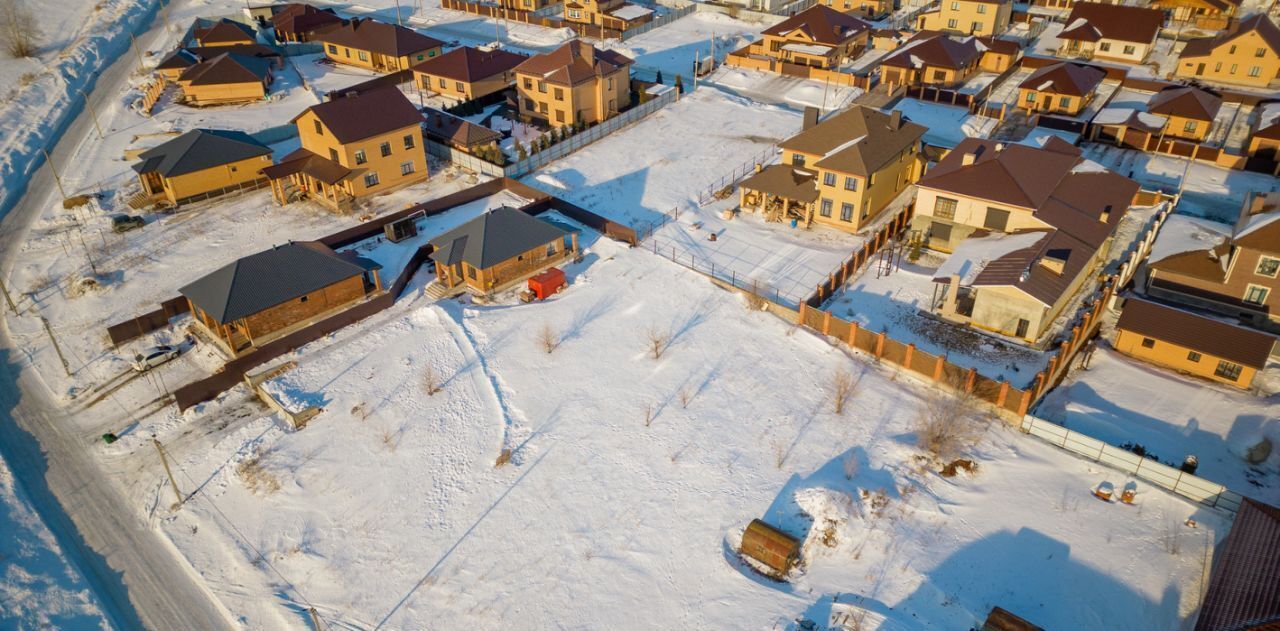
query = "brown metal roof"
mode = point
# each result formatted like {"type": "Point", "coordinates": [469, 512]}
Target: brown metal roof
{"type": "Point", "coordinates": [937, 50]}
{"type": "Point", "coordinates": [458, 131]}
{"type": "Point", "coordinates": [226, 69]}
{"type": "Point", "coordinates": [1091, 21]}
{"type": "Point", "coordinates": [379, 37]}
{"type": "Point", "coordinates": [1207, 335]}
{"type": "Point", "coordinates": [224, 30]}
{"type": "Point", "coordinates": [859, 140]}
{"type": "Point", "coordinates": [1001, 619]}
{"type": "Point", "coordinates": [574, 62]}
{"type": "Point", "coordinates": [248, 50]}
{"type": "Point", "coordinates": [470, 64]}
{"type": "Point", "coordinates": [366, 114]}
{"type": "Point", "coordinates": [1205, 46]}
{"type": "Point", "coordinates": [303, 161]}
{"type": "Point", "coordinates": [1203, 264]}
{"type": "Point", "coordinates": [1069, 78]}
{"type": "Point", "coordinates": [299, 18]}
{"type": "Point", "coordinates": [1013, 174]}
{"type": "Point", "coordinates": [786, 181]}
{"type": "Point", "coordinates": [821, 24]}
{"type": "Point", "coordinates": [1186, 102]}
{"type": "Point", "coordinates": [1244, 589]}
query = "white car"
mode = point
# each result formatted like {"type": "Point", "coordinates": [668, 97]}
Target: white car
{"type": "Point", "coordinates": [154, 356]}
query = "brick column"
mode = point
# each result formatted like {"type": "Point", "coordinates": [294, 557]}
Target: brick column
{"type": "Point", "coordinates": [826, 323]}
{"type": "Point", "coordinates": [911, 350]}
{"type": "Point", "coordinates": [938, 366]}
{"type": "Point", "coordinates": [1004, 393]}
{"type": "Point", "coordinates": [880, 345]}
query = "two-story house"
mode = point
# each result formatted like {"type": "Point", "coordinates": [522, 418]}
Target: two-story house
{"type": "Point", "coordinates": [1063, 88]}
{"type": "Point", "coordinates": [1026, 229]}
{"type": "Point", "coordinates": [1246, 54]}
{"type": "Point", "coordinates": [819, 36]}
{"type": "Point", "coordinates": [1238, 276]}
{"type": "Point", "coordinates": [574, 83]}
{"type": "Point", "coordinates": [983, 18]}
{"type": "Point", "coordinates": [467, 73]}
{"type": "Point", "coordinates": [373, 45]}
{"type": "Point", "coordinates": [1204, 14]}
{"type": "Point", "coordinates": [353, 147]}
{"type": "Point", "coordinates": [840, 173]}
{"type": "Point", "coordinates": [1111, 32]}
{"type": "Point", "coordinates": [618, 15]}
{"type": "Point", "coordinates": [865, 9]}
{"type": "Point", "coordinates": [936, 59]}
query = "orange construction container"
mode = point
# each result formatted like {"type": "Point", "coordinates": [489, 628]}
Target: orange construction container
{"type": "Point", "coordinates": [547, 283]}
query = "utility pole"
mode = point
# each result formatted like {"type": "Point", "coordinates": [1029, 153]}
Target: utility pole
{"type": "Point", "coordinates": [94, 114]}
{"type": "Point", "coordinates": [80, 233]}
{"type": "Point", "coordinates": [53, 169]}
{"type": "Point", "coordinates": [58, 349]}
{"type": "Point", "coordinates": [398, 13]}
{"type": "Point", "coordinates": [7, 298]}
{"type": "Point", "coordinates": [169, 472]}
{"type": "Point", "coordinates": [136, 51]}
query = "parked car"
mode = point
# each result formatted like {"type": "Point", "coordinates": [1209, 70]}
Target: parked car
{"type": "Point", "coordinates": [154, 356]}
{"type": "Point", "coordinates": [125, 223]}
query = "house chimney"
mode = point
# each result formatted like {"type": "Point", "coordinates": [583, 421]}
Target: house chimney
{"type": "Point", "coordinates": [895, 119]}
{"type": "Point", "coordinates": [810, 117]}
{"type": "Point", "coordinates": [999, 147]}
{"type": "Point", "coordinates": [1106, 214]}
{"type": "Point", "coordinates": [588, 52]}
{"type": "Point", "coordinates": [759, 167]}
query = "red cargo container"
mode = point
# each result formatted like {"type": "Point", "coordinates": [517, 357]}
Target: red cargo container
{"type": "Point", "coordinates": [547, 283]}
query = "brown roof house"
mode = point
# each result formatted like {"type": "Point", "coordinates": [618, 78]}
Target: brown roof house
{"type": "Point", "coordinates": [182, 59]}
{"type": "Point", "coordinates": [1026, 228]}
{"type": "Point", "coordinates": [983, 18]}
{"type": "Point", "coordinates": [1248, 53]}
{"type": "Point", "coordinates": [934, 58]}
{"type": "Point", "coordinates": [299, 22]}
{"type": "Point", "coordinates": [840, 173]}
{"type": "Point", "coordinates": [222, 32]}
{"type": "Point", "coordinates": [267, 295]}
{"type": "Point", "coordinates": [353, 147]}
{"type": "Point", "coordinates": [1061, 88]}
{"type": "Point", "coordinates": [1177, 112]}
{"type": "Point", "coordinates": [497, 250]}
{"type": "Point", "coordinates": [1112, 32]}
{"type": "Point", "coordinates": [1204, 14]}
{"type": "Point", "coordinates": [617, 15]}
{"type": "Point", "coordinates": [467, 73]}
{"type": "Point", "coordinates": [458, 133]}
{"type": "Point", "coordinates": [820, 37]}
{"type": "Point", "coordinates": [1264, 141]}
{"type": "Point", "coordinates": [576, 82]}
{"type": "Point", "coordinates": [1237, 276]}
{"type": "Point", "coordinates": [1191, 343]}
{"type": "Point", "coordinates": [374, 45]}
{"type": "Point", "coordinates": [200, 164]}
{"type": "Point", "coordinates": [1244, 588]}
{"type": "Point", "coordinates": [865, 9]}
{"type": "Point", "coordinates": [226, 79]}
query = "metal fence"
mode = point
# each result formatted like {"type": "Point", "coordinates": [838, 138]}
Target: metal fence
{"type": "Point", "coordinates": [1185, 484]}
{"type": "Point", "coordinates": [748, 167]}
{"type": "Point", "coordinates": [662, 20]}
{"type": "Point", "coordinates": [279, 133]}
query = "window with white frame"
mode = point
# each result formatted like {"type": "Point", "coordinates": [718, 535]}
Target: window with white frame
{"type": "Point", "coordinates": [1267, 266]}
{"type": "Point", "coordinates": [1256, 295]}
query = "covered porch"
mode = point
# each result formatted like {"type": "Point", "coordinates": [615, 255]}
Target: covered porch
{"type": "Point", "coordinates": [780, 192]}
{"type": "Point", "coordinates": [306, 175]}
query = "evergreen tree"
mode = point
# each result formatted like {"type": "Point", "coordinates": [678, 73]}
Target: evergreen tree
{"type": "Point", "coordinates": [659, 78]}
{"type": "Point", "coordinates": [521, 154]}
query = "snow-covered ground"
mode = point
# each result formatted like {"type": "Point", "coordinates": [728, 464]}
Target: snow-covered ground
{"type": "Point", "coordinates": [1208, 191]}
{"type": "Point", "coordinates": [767, 87]}
{"type": "Point", "coordinates": [947, 124]}
{"type": "Point", "coordinates": [1121, 400]}
{"type": "Point", "coordinates": [893, 303]}
{"type": "Point", "coordinates": [640, 175]}
{"type": "Point", "coordinates": [671, 48]}
{"type": "Point", "coordinates": [39, 587]}
{"type": "Point", "coordinates": [390, 508]}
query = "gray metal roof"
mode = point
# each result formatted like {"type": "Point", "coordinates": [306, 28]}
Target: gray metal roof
{"type": "Point", "coordinates": [493, 238]}
{"type": "Point", "coordinates": [199, 149]}
{"type": "Point", "coordinates": [260, 281]}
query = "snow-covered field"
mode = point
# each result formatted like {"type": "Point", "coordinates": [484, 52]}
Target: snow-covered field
{"type": "Point", "coordinates": [1121, 400]}
{"type": "Point", "coordinates": [39, 587]}
{"type": "Point", "coordinates": [672, 48]}
{"type": "Point", "coordinates": [1208, 191]}
{"type": "Point", "coordinates": [767, 87]}
{"type": "Point", "coordinates": [389, 509]}
{"type": "Point", "coordinates": [948, 125]}
{"type": "Point", "coordinates": [641, 174]}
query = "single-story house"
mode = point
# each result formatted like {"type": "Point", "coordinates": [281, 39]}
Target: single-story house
{"type": "Point", "coordinates": [368, 43]}
{"type": "Point", "coordinates": [226, 79]}
{"type": "Point", "coordinates": [1243, 591]}
{"type": "Point", "coordinates": [1110, 31]}
{"type": "Point", "coordinates": [1061, 88]}
{"type": "Point", "coordinates": [264, 296]}
{"type": "Point", "coordinates": [201, 163]}
{"type": "Point", "coordinates": [459, 133]}
{"type": "Point", "coordinates": [468, 73]}
{"type": "Point", "coordinates": [1190, 343]}
{"type": "Point", "coordinates": [299, 22]}
{"type": "Point", "coordinates": [498, 249]}
{"type": "Point", "coordinates": [223, 32]}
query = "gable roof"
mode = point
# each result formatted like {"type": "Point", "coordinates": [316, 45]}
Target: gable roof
{"type": "Point", "coordinates": [379, 37]}
{"type": "Point", "coordinates": [227, 68]}
{"type": "Point", "coordinates": [181, 58]}
{"type": "Point", "coordinates": [1258, 22]}
{"type": "Point", "coordinates": [357, 116]}
{"type": "Point", "coordinates": [457, 130]}
{"type": "Point", "coordinates": [304, 161]}
{"type": "Point", "coordinates": [303, 18]}
{"type": "Point", "coordinates": [224, 30]}
{"type": "Point", "coordinates": [1091, 21]}
{"type": "Point", "coordinates": [493, 237]}
{"type": "Point", "coordinates": [1258, 227]}
{"type": "Point", "coordinates": [784, 180]}
{"type": "Point", "coordinates": [260, 281]}
{"type": "Point", "coordinates": [933, 48]}
{"type": "Point", "coordinates": [1069, 78]}
{"type": "Point", "coordinates": [821, 24]}
{"type": "Point", "coordinates": [470, 64]}
{"type": "Point", "coordinates": [1244, 588]}
{"type": "Point", "coordinates": [1187, 102]}
{"type": "Point", "coordinates": [1238, 344]}
{"type": "Point", "coordinates": [859, 140]}
{"type": "Point", "coordinates": [197, 150]}
{"type": "Point", "coordinates": [574, 62]}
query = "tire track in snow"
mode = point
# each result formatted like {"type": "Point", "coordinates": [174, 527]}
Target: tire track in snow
{"type": "Point", "coordinates": [512, 419]}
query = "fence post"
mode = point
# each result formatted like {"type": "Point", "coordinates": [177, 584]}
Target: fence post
{"type": "Point", "coordinates": [826, 323]}
{"type": "Point", "coordinates": [970, 380]}
{"type": "Point", "coordinates": [911, 350]}
{"type": "Point", "coordinates": [880, 345]}
{"type": "Point", "coordinates": [853, 334]}
{"type": "Point", "coordinates": [1004, 393]}
{"type": "Point", "coordinates": [800, 314]}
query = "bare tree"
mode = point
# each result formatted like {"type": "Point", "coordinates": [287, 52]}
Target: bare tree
{"type": "Point", "coordinates": [657, 339]}
{"type": "Point", "coordinates": [949, 422]}
{"type": "Point", "coordinates": [19, 29]}
{"type": "Point", "coordinates": [504, 457]}
{"type": "Point", "coordinates": [547, 338]}
{"type": "Point", "coordinates": [756, 300]}
{"type": "Point", "coordinates": [648, 414]}
{"type": "Point", "coordinates": [850, 465]}
{"type": "Point", "coordinates": [842, 385]}
{"type": "Point", "coordinates": [686, 395]}
{"type": "Point", "coordinates": [430, 380]}
{"type": "Point", "coordinates": [360, 411]}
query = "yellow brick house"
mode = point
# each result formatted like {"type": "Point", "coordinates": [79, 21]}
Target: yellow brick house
{"type": "Point", "coordinates": [201, 163]}
{"type": "Point", "coordinates": [575, 82]}
{"type": "Point", "coordinates": [467, 73]}
{"type": "Point", "coordinates": [374, 45]}
{"type": "Point", "coordinates": [819, 37]}
{"type": "Point", "coordinates": [1064, 88]}
{"type": "Point", "coordinates": [1246, 54]}
{"type": "Point", "coordinates": [983, 18]}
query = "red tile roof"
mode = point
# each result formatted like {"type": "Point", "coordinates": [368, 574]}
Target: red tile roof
{"type": "Point", "coordinates": [935, 49]}
{"type": "Point", "coordinates": [822, 24]}
{"type": "Point", "coordinates": [1186, 102]}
